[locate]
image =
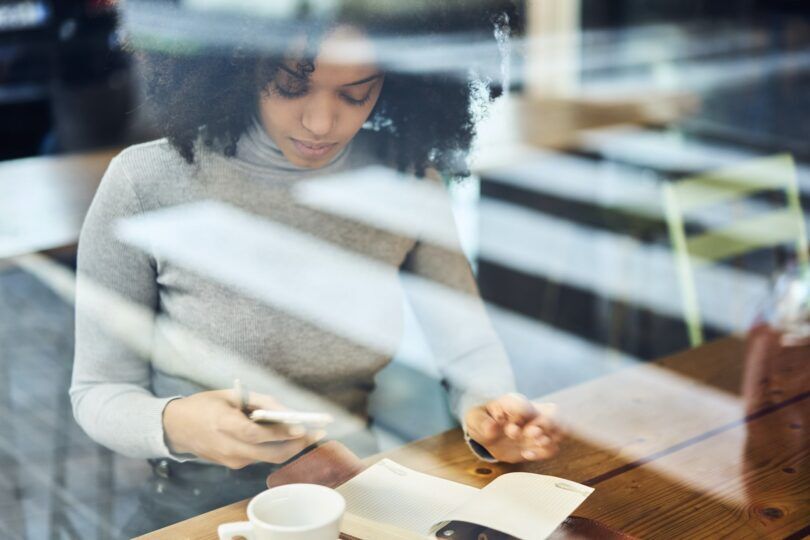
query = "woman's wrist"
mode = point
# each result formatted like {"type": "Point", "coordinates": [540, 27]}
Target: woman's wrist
{"type": "Point", "coordinates": [171, 427]}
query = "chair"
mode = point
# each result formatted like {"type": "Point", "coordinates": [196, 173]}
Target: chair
{"type": "Point", "coordinates": [765, 229]}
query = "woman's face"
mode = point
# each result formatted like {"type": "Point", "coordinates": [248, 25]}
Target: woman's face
{"type": "Point", "coordinates": [311, 119]}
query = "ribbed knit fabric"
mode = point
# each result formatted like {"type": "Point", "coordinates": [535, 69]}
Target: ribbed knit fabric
{"type": "Point", "coordinates": [151, 327]}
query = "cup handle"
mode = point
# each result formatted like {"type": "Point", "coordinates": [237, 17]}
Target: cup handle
{"type": "Point", "coordinates": [238, 530]}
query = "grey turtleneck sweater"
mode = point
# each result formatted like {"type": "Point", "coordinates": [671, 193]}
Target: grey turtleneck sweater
{"type": "Point", "coordinates": [169, 304]}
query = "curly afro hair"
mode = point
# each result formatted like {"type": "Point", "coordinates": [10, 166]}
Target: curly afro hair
{"type": "Point", "coordinates": [206, 93]}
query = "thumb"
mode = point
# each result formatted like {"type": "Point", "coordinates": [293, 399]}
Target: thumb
{"type": "Point", "coordinates": [264, 401]}
{"type": "Point", "coordinates": [481, 426]}
{"type": "Point", "coordinates": [517, 407]}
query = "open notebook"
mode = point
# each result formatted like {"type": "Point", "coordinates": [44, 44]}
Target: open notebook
{"type": "Point", "coordinates": [388, 500]}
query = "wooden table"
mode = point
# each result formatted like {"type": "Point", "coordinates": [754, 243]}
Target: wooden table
{"type": "Point", "coordinates": [43, 200]}
{"type": "Point", "coordinates": [709, 443]}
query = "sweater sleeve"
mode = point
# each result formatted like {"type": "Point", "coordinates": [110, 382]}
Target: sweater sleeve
{"type": "Point", "coordinates": [116, 301]}
{"type": "Point", "coordinates": [441, 288]}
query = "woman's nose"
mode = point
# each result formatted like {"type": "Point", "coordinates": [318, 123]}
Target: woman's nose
{"type": "Point", "coordinates": [319, 117]}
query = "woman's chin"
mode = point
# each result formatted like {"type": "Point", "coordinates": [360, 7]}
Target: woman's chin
{"type": "Point", "coordinates": [308, 163]}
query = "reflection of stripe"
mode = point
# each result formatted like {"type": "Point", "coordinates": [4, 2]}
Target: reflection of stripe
{"type": "Point", "coordinates": [340, 291]}
{"type": "Point", "coordinates": [599, 320]}
{"type": "Point", "coordinates": [600, 184]}
{"type": "Point", "coordinates": [627, 425]}
{"type": "Point", "coordinates": [620, 187]}
{"type": "Point", "coordinates": [136, 327]}
{"type": "Point", "coordinates": [611, 265]}
{"type": "Point", "coordinates": [385, 199]}
{"type": "Point", "coordinates": [605, 263]}
{"type": "Point", "coordinates": [666, 154]}
{"type": "Point", "coordinates": [546, 358]}
{"type": "Point", "coordinates": [347, 294]}
{"type": "Point", "coordinates": [627, 467]}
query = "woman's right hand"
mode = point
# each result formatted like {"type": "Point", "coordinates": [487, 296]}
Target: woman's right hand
{"type": "Point", "coordinates": [211, 426]}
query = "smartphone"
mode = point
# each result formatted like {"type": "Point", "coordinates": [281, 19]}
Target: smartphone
{"type": "Point", "coordinates": [264, 416]}
{"type": "Point", "coordinates": [461, 530]}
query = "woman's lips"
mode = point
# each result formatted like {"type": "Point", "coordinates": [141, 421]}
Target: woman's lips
{"type": "Point", "coordinates": [314, 150]}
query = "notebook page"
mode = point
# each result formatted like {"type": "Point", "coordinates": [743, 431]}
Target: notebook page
{"type": "Point", "coordinates": [525, 505]}
{"type": "Point", "coordinates": [392, 494]}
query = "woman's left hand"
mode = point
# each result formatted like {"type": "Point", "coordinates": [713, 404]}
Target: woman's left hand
{"type": "Point", "coordinates": [514, 429]}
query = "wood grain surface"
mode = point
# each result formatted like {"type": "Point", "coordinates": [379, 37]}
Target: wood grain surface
{"type": "Point", "coordinates": [709, 443]}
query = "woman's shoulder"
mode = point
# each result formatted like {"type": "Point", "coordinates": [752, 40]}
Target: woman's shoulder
{"type": "Point", "coordinates": [151, 159]}
{"type": "Point", "coordinates": [148, 169]}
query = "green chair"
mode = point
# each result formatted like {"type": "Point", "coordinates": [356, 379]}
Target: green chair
{"type": "Point", "coordinates": [774, 227]}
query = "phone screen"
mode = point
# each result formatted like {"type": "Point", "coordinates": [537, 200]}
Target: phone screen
{"type": "Point", "coordinates": [461, 530]}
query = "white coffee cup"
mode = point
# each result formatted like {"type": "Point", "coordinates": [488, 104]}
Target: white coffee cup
{"type": "Point", "coordinates": [290, 512]}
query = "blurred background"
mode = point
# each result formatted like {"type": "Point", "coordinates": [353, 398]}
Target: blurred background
{"type": "Point", "coordinates": [573, 220]}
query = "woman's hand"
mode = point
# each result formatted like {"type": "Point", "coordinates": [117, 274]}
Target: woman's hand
{"type": "Point", "coordinates": [211, 426]}
{"type": "Point", "coordinates": [513, 429]}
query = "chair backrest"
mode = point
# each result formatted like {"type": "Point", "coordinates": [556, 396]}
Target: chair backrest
{"type": "Point", "coordinates": [765, 229]}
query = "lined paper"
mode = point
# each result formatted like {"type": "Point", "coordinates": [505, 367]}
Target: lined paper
{"type": "Point", "coordinates": [390, 493]}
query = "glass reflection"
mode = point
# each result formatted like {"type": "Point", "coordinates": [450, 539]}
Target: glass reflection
{"type": "Point", "coordinates": [392, 213]}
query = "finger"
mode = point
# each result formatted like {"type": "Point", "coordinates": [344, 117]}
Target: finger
{"type": "Point", "coordinates": [548, 411]}
{"type": "Point", "coordinates": [546, 419]}
{"type": "Point", "coordinates": [238, 426]}
{"type": "Point", "coordinates": [540, 427]}
{"type": "Point", "coordinates": [263, 401]}
{"type": "Point", "coordinates": [537, 452]}
{"type": "Point", "coordinates": [532, 431]}
{"type": "Point", "coordinates": [544, 442]}
{"type": "Point", "coordinates": [279, 452]}
{"type": "Point", "coordinates": [237, 454]}
{"type": "Point", "coordinates": [495, 410]}
{"type": "Point", "coordinates": [512, 431]}
{"type": "Point", "coordinates": [481, 426]}
{"type": "Point", "coordinates": [518, 408]}
{"type": "Point", "coordinates": [255, 400]}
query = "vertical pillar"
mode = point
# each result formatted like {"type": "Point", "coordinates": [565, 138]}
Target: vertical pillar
{"type": "Point", "coordinates": [553, 47]}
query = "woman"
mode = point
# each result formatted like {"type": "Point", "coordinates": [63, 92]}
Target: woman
{"type": "Point", "coordinates": [244, 130]}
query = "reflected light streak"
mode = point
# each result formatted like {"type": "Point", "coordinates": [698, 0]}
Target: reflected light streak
{"type": "Point", "coordinates": [635, 432]}
{"type": "Point", "coordinates": [36, 475]}
{"type": "Point", "coordinates": [668, 151]}
{"type": "Point", "coordinates": [135, 325]}
{"type": "Point", "coordinates": [543, 357]}
{"type": "Point", "coordinates": [383, 198]}
{"type": "Point", "coordinates": [622, 187]}
{"type": "Point", "coordinates": [272, 262]}
{"type": "Point", "coordinates": [277, 9]}
{"type": "Point", "coordinates": [388, 200]}
{"type": "Point", "coordinates": [691, 52]}
{"type": "Point", "coordinates": [613, 265]}
{"type": "Point", "coordinates": [612, 431]}
{"type": "Point", "coordinates": [338, 291]}
{"type": "Point", "coordinates": [599, 261]}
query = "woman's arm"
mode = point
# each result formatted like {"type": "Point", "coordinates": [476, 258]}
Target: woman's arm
{"type": "Point", "coordinates": [498, 423]}
{"type": "Point", "coordinates": [116, 301]}
{"type": "Point", "coordinates": [441, 288]}
{"type": "Point", "coordinates": [116, 305]}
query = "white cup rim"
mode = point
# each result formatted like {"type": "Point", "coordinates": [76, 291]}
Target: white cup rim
{"type": "Point", "coordinates": [296, 528]}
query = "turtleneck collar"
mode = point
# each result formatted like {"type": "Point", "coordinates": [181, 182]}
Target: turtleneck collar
{"type": "Point", "coordinates": [257, 151]}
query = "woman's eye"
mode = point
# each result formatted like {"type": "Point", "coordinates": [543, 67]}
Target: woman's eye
{"type": "Point", "coordinates": [291, 92]}
{"type": "Point", "coordinates": [355, 101]}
